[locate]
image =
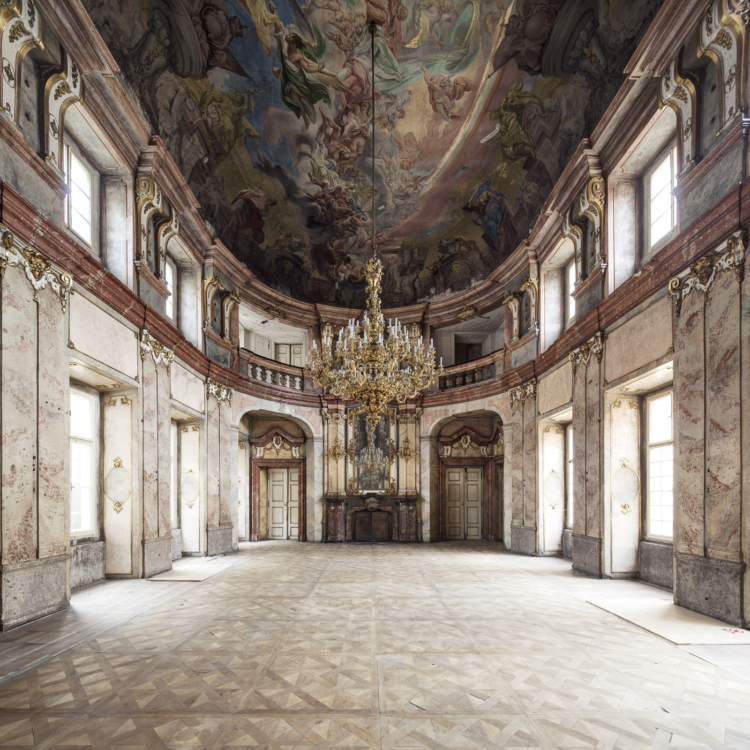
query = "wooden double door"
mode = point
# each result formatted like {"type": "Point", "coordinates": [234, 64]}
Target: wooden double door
{"type": "Point", "coordinates": [463, 500]}
{"type": "Point", "coordinates": [283, 503]}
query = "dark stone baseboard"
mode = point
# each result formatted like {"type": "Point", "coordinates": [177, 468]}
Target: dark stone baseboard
{"type": "Point", "coordinates": [219, 541]}
{"type": "Point", "coordinates": [157, 555]}
{"type": "Point", "coordinates": [567, 540]}
{"type": "Point", "coordinates": [32, 589]}
{"type": "Point", "coordinates": [657, 563]}
{"type": "Point", "coordinates": [87, 564]}
{"type": "Point", "coordinates": [523, 540]}
{"type": "Point", "coordinates": [587, 555]}
{"type": "Point", "coordinates": [710, 586]}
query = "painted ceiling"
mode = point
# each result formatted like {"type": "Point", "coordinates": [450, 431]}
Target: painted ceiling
{"type": "Point", "coordinates": [265, 107]}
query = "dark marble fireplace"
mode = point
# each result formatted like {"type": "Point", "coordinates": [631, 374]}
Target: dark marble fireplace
{"type": "Point", "coordinates": [371, 518]}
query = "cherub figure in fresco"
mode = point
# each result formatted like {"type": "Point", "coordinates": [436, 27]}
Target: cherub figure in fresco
{"type": "Point", "coordinates": [303, 78]}
{"type": "Point", "coordinates": [408, 149]}
{"type": "Point", "coordinates": [509, 134]}
{"type": "Point", "coordinates": [225, 114]}
{"type": "Point", "coordinates": [445, 91]}
{"type": "Point", "coordinates": [438, 13]}
{"type": "Point", "coordinates": [348, 25]}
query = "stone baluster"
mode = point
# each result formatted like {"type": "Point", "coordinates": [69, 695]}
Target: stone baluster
{"type": "Point", "coordinates": [297, 383]}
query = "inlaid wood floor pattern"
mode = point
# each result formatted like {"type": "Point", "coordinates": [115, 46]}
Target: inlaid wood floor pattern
{"type": "Point", "coordinates": [302, 646]}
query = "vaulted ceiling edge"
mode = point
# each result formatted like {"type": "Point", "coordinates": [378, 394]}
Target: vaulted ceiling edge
{"type": "Point", "coordinates": [265, 108]}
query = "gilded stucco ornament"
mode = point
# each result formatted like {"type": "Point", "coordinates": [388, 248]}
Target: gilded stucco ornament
{"type": "Point", "coordinates": [407, 451]}
{"type": "Point", "coordinates": [591, 203]}
{"type": "Point", "coordinates": [337, 451]}
{"type": "Point", "coordinates": [678, 92]}
{"type": "Point", "coordinates": [219, 391]}
{"type": "Point", "coordinates": [467, 312]}
{"type": "Point", "coordinates": [514, 303]}
{"type": "Point", "coordinates": [158, 351]}
{"type": "Point", "coordinates": [702, 274]}
{"type": "Point", "coordinates": [63, 88]}
{"type": "Point", "coordinates": [37, 268]}
{"type": "Point", "coordinates": [521, 392]}
{"type": "Point", "coordinates": [332, 417]}
{"type": "Point", "coordinates": [531, 287]}
{"type": "Point", "coordinates": [594, 347]}
{"type": "Point", "coordinates": [411, 417]}
{"type": "Point", "coordinates": [276, 312]}
{"type": "Point", "coordinates": [148, 201]}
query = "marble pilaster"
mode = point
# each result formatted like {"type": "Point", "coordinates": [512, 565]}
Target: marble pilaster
{"type": "Point", "coordinates": [517, 463]}
{"type": "Point", "coordinates": [579, 452]}
{"type": "Point", "coordinates": [529, 462]}
{"type": "Point", "coordinates": [593, 448]}
{"type": "Point", "coordinates": [150, 422]}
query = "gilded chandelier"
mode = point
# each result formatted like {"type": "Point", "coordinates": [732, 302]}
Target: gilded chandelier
{"type": "Point", "coordinates": [371, 365]}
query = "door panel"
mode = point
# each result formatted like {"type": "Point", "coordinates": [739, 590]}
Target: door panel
{"type": "Point", "coordinates": [282, 353]}
{"type": "Point", "coordinates": [293, 530]}
{"type": "Point", "coordinates": [463, 498]}
{"type": "Point", "coordinates": [297, 360]}
{"type": "Point", "coordinates": [277, 503]}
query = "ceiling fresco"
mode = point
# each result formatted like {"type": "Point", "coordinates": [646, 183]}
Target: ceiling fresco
{"type": "Point", "coordinates": [265, 107]}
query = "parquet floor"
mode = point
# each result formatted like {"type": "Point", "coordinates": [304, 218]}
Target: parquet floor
{"type": "Point", "coordinates": [402, 646]}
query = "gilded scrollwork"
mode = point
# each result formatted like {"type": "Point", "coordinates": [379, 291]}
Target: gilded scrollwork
{"type": "Point", "coordinates": [591, 202]}
{"type": "Point", "coordinates": [36, 267]}
{"type": "Point", "coordinates": [531, 287]}
{"type": "Point", "coordinates": [148, 201]}
{"type": "Point", "coordinates": [678, 92]}
{"type": "Point", "coordinates": [594, 347]}
{"type": "Point", "coordinates": [219, 391]}
{"type": "Point", "coordinates": [63, 88]}
{"type": "Point", "coordinates": [704, 271]}
{"type": "Point", "coordinates": [336, 451]}
{"type": "Point", "coordinates": [521, 392]}
{"type": "Point", "coordinates": [512, 299]}
{"type": "Point", "coordinates": [158, 351]}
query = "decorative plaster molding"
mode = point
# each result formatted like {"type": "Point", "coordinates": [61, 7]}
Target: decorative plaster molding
{"type": "Point", "coordinates": [21, 30]}
{"type": "Point", "coordinates": [722, 38]}
{"type": "Point", "coordinates": [514, 303]}
{"type": "Point", "coordinates": [573, 232]}
{"type": "Point", "coordinates": [37, 268]}
{"type": "Point", "coordinates": [739, 9]}
{"type": "Point", "coordinates": [531, 287]}
{"type": "Point", "coordinates": [227, 305]}
{"type": "Point", "coordinates": [148, 201]}
{"type": "Point", "coordinates": [276, 312]}
{"type": "Point", "coordinates": [332, 417]}
{"type": "Point", "coordinates": [594, 347]}
{"type": "Point", "coordinates": [591, 202]}
{"type": "Point", "coordinates": [411, 417]}
{"type": "Point", "coordinates": [703, 272]}
{"type": "Point", "coordinates": [164, 230]}
{"type": "Point", "coordinates": [523, 391]}
{"type": "Point", "coordinates": [407, 451]}
{"type": "Point", "coordinates": [159, 353]}
{"type": "Point", "coordinates": [219, 391]}
{"type": "Point", "coordinates": [337, 451]}
{"type": "Point", "coordinates": [63, 88]}
{"type": "Point", "coordinates": [467, 312]}
{"type": "Point", "coordinates": [679, 94]}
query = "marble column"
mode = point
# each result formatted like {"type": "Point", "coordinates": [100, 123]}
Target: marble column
{"type": "Point", "coordinates": [220, 528]}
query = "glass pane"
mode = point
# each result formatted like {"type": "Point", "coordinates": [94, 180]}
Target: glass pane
{"type": "Point", "coordinates": [169, 279]}
{"type": "Point", "coordinates": [571, 286]}
{"type": "Point", "coordinates": [80, 464]}
{"type": "Point", "coordinates": [80, 176]}
{"type": "Point", "coordinates": [661, 177]}
{"type": "Point", "coordinates": [81, 415]}
{"type": "Point", "coordinates": [660, 420]}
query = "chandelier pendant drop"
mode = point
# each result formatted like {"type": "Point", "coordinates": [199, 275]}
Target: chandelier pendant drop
{"type": "Point", "coordinates": [368, 364]}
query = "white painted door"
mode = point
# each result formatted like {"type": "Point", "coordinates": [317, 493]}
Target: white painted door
{"type": "Point", "coordinates": [283, 503]}
{"type": "Point", "coordinates": [463, 499]}
{"type": "Point", "coordinates": [282, 353]}
{"type": "Point", "coordinates": [293, 513]}
{"type": "Point", "coordinates": [297, 359]}
{"type": "Point", "coordinates": [278, 487]}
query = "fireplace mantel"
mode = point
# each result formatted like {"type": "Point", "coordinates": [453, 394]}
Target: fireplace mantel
{"type": "Point", "coordinates": [342, 509]}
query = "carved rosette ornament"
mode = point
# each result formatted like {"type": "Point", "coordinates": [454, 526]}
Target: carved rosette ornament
{"type": "Point", "coordinates": [219, 391]}
{"type": "Point", "coordinates": [63, 88]}
{"type": "Point", "coordinates": [678, 93]}
{"type": "Point", "coordinates": [721, 36]}
{"type": "Point", "coordinates": [702, 274]}
{"type": "Point", "coordinates": [158, 351]}
{"type": "Point", "coordinates": [594, 347]}
{"type": "Point", "coordinates": [37, 268]}
{"type": "Point", "coordinates": [521, 392]}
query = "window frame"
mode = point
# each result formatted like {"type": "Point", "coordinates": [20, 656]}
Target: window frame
{"type": "Point", "coordinates": [569, 302]}
{"type": "Point", "coordinates": [646, 463]}
{"type": "Point", "coordinates": [171, 300]}
{"type": "Point", "coordinates": [92, 396]}
{"type": "Point", "coordinates": [569, 519]}
{"type": "Point", "coordinates": [71, 153]}
{"type": "Point", "coordinates": [174, 473]}
{"type": "Point", "coordinates": [669, 150]}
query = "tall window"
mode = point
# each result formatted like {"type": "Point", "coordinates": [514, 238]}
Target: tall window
{"type": "Point", "coordinates": [660, 478]}
{"type": "Point", "coordinates": [169, 277]}
{"type": "Point", "coordinates": [570, 283]}
{"type": "Point", "coordinates": [173, 475]}
{"type": "Point", "coordinates": [78, 205]}
{"type": "Point", "coordinates": [82, 462]}
{"type": "Point", "coordinates": [569, 476]}
{"type": "Point", "coordinates": [662, 204]}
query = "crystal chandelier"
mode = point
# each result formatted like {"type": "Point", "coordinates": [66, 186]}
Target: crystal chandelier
{"type": "Point", "coordinates": [368, 364]}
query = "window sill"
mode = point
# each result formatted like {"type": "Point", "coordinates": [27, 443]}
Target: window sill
{"type": "Point", "coordinates": [89, 537]}
{"type": "Point", "coordinates": [660, 245]}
